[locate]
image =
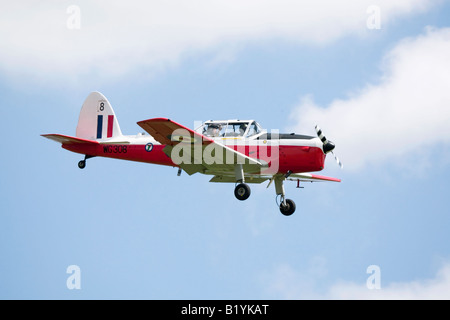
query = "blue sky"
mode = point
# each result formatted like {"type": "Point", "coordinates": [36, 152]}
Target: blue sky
{"type": "Point", "coordinates": [139, 231]}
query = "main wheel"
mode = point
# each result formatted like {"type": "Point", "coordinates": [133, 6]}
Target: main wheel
{"type": "Point", "coordinates": [242, 191]}
{"type": "Point", "coordinates": [287, 209]}
{"type": "Point", "coordinates": [82, 164]}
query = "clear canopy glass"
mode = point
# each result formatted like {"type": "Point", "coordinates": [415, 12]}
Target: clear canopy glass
{"type": "Point", "coordinates": [231, 128]}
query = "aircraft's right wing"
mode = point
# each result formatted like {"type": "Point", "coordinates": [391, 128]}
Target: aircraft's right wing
{"type": "Point", "coordinates": [206, 155]}
{"type": "Point", "coordinates": [311, 177]}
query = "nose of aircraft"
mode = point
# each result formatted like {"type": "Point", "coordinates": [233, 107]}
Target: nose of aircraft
{"type": "Point", "coordinates": [328, 147]}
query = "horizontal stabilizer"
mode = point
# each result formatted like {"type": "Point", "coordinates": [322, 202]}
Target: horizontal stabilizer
{"type": "Point", "coordinates": [67, 139]}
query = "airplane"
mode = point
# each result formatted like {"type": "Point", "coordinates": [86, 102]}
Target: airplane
{"type": "Point", "coordinates": [232, 151]}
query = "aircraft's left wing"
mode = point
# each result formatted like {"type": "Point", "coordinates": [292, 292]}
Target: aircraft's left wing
{"type": "Point", "coordinates": [168, 132]}
{"type": "Point", "coordinates": [206, 155]}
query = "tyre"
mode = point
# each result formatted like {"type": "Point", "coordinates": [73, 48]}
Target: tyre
{"type": "Point", "coordinates": [82, 164]}
{"type": "Point", "coordinates": [287, 209]}
{"type": "Point", "coordinates": [242, 191]}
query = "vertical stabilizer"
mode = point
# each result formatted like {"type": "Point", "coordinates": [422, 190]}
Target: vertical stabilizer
{"type": "Point", "coordinates": [97, 119]}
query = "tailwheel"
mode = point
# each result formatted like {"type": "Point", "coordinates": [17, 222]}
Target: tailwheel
{"type": "Point", "coordinates": [82, 164]}
{"type": "Point", "coordinates": [287, 207]}
{"type": "Point", "coordinates": [242, 191]}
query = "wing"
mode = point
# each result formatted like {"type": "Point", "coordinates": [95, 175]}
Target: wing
{"type": "Point", "coordinates": [311, 177]}
{"type": "Point", "coordinates": [231, 179]}
{"type": "Point", "coordinates": [194, 152]}
{"type": "Point", "coordinates": [168, 132]}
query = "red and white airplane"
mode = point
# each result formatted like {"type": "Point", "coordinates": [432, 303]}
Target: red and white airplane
{"type": "Point", "coordinates": [233, 151]}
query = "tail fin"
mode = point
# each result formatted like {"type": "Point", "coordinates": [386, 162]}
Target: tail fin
{"type": "Point", "coordinates": [97, 119]}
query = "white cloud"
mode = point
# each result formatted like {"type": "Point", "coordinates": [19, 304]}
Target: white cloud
{"type": "Point", "coordinates": [404, 115]}
{"type": "Point", "coordinates": [117, 37]}
{"type": "Point", "coordinates": [287, 283]}
{"type": "Point", "coordinates": [437, 288]}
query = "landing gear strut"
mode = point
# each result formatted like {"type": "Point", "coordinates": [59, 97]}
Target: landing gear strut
{"type": "Point", "coordinates": [242, 190]}
{"type": "Point", "coordinates": [287, 206]}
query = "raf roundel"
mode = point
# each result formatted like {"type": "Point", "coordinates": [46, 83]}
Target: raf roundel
{"type": "Point", "coordinates": [149, 147]}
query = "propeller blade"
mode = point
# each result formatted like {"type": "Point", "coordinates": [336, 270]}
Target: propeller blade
{"type": "Point", "coordinates": [338, 161]}
{"type": "Point", "coordinates": [328, 146]}
{"type": "Point", "coordinates": [321, 135]}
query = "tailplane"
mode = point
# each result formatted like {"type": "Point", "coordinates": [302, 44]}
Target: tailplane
{"type": "Point", "coordinates": [97, 119]}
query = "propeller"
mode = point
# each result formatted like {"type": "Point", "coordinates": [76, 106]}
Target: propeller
{"type": "Point", "coordinates": [338, 161]}
{"type": "Point", "coordinates": [328, 146]}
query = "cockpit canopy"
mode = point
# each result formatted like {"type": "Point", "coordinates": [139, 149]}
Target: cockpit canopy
{"type": "Point", "coordinates": [230, 128]}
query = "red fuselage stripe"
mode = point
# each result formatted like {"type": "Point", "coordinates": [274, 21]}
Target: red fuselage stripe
{"type": "Point", "coordinates": [109, 133]}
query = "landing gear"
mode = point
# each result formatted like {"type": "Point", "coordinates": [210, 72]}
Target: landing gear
{"type": "Point", "coordinates": [287, 206]}
{"type": "Point", "coordinates": [82, 163]}
{"type": "Point", "coordinates": [242, 191]}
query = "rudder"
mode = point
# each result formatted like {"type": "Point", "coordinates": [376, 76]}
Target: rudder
{"type": "Point", "coordinates": [97, 119]}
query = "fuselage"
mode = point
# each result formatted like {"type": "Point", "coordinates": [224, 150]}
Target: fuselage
{"type": "Point", "coordinates": [288, 152]}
